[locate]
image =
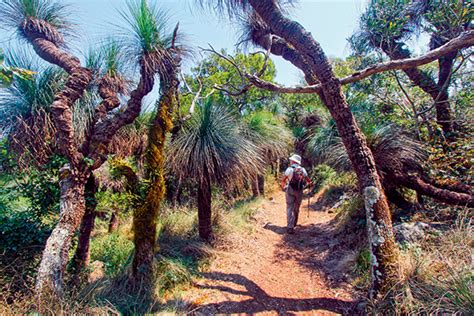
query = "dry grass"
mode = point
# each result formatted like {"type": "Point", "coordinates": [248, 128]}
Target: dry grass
{"type": "Point", "coordinates": [437, 275]}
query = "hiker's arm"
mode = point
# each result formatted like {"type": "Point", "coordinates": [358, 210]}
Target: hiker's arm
{"type": "Point", "coordinates": [283, 182]}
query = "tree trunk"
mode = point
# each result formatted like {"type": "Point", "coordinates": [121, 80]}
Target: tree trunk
{"type": "Point", "coordinates": [81, 258]}
{"type": "Point", "coordinates": [261, 184]}
{"type": "Point", "coordinates": [176, 193]}
{"type": "Point", "coordinates": [56, 253]}
{"type": "Point", "coordinates": [114, 222]}
{"type": "Point", "coordinates": [384, 252]}
{"type": "Point", "coordinates": [205, 211]}
{"type": "Point", "coordinates": [425, 82]}
{"type": "Point", "coordinates": [443, 195]}
{"type": "Point", "coordinates": [255, 188]}
{"type": "Point", "coordinates": [145, 217]}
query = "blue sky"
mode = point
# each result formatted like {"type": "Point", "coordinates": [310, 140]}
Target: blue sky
{"type": "Point", "coordinates": [330, 21]}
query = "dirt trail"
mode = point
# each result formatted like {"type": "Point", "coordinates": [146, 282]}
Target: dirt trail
{"type": "Point", "coordinates": [277, 273]}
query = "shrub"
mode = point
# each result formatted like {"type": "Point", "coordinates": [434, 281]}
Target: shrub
{"type": "Point", "coordinates": [113, 250]}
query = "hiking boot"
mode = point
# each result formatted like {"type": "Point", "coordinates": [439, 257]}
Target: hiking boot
{"type": "Point", "coordinates": [290, 231]}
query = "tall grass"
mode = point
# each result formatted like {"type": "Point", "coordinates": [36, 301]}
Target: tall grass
{"type": "Point", "coordinates": [437, 275]}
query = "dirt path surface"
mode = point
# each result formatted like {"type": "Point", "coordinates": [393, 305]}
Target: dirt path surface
{"type": "Point", "coordinates": [276, 273]}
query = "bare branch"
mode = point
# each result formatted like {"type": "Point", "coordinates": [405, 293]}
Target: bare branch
{"type": "Point", "coordinates": [464, 40]}
{"type": "Point", "coordinates": [270, 86]}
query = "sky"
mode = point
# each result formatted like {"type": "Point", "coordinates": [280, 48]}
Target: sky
{"type": "Point", "coordinates": [331, 22]}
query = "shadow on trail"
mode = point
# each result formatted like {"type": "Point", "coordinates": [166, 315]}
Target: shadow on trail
{"type": "Point", "coordinates": [260, 301]}
{"type": "Point", "coordinates": [320, 247]}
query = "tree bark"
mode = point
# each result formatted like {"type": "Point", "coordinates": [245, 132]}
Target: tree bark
{"type": "Point", "coordinates": [81, 258]}
{"type": "Point", "coordinates": [114, 222]}
{"type": "Point", "coordinates": [261, 184]}
{"type": "Point", "coordinates": [255, 188]}
{"type": "Point", "coordinates": [450, 197]}
{"type": "Point", "coordinates": [205, 211]}
{"type": "Point", "coordinates": [56, 253]}
{"type": "Point", "coordinates": [145, 217]}
{"type": "Point", "coordinates": [77, 82]}
{"type": "Point", "coordinates": [425, 82]}
{"type": "Point", "coordinates": [384, 251]}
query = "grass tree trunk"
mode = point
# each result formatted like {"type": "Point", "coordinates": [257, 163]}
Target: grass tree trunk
{"type": "Point", "coordinates": [145, 216]}
{"type": "Point", "coordinates": [204, 210]}
{"type": "Point", "coordinates": [81, 258]}
{"type": "Point", "coordinates": [56, 253]}
{"type": "Point", "coordinates": [384, 252]}
{"type": "Point", "coordinates": [255, 188]}
{"type": "Point", "coordinates": [74, 175]}
{"type": "Point", "coordinates": [261, 184]}
{"type": "Point", "coordinates": [114, 222]}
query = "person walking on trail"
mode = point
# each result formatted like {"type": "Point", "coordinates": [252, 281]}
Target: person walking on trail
{"type": "Point", "coordinates": [295, 181]}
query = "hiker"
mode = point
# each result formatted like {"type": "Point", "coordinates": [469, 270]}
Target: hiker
{"type": "Point", "coordinates": [295, 181]}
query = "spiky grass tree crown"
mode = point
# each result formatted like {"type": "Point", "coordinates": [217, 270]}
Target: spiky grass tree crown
{"type": "Point", "coordinates": [148, 36]}
{"type": "Point", "coordinates": [269, 134]}
{"type": "Point", "coordinates": [391, 146]}
{"type": "Point", "coordinates": [213, 144]}
{"type": "Point", "coordinates": [38, 18]}
{"type": "Point", "coordinates": [27, 95]}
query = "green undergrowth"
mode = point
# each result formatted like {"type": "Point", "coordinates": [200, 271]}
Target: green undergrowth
{"type": "Point", "coordinates": [180, 257]}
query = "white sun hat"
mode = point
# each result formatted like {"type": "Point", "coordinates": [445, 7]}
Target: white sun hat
{"type": "Point", "coordinates": [296, 158]}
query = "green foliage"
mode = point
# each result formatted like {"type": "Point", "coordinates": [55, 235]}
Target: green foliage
{"type": "Point", "coordinates": [109, 201]}
{"type": "Point", "coordinates": [171, 272]}
{"type": "Point", "coordinates": [55, 13]}
{"type": "Point", "coordinates": [113, 250]}
{"type": "Point", "coordinates": [269, 133]}
{"type": "Point", "coordinates": [361, 269]}
{"type": "Point", "coordinates": [322, 175]}
{"type": "Point", "coordinates": [212, 145]}
{"type": "Point", "coordinates": [42, 189]}
{"type": "Point", "coordinates": [28, 225]}
{"type": "Point", "coordinates": [7, 74]}
{"type": "Point", "coordinates": [147, 28]}
{"type": "Point", "coordinates": [382, 22]}
{"type": "Point", "coordinates": [25, 96]}
{"type": "Point", "coordinates": [215, 70]}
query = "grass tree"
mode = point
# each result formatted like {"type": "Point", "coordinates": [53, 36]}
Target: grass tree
{"type": "Point", "coordinates": [149, 36]}
{"type": "Point", "coordinates": [273, 140]}
{"type": "Point", "coordinates": [8, 73]}
{"type": "Point", "coordinates": [25, 111]}
{"type": "Point", "coordinates": [44, 25]}
{"type": "Point", "coordinates": [212, 148]}
{"type": "Point", "coordinates": [400, 159]}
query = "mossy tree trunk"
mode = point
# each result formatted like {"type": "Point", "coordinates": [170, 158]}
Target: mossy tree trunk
{"type": "Point", "coordinates": [145, 216]}
{"type": "Point", "coordinates": [384, 252]}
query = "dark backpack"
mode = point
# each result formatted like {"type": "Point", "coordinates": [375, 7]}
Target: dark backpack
{"type": "Point", "coordinates": [297, 181]}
